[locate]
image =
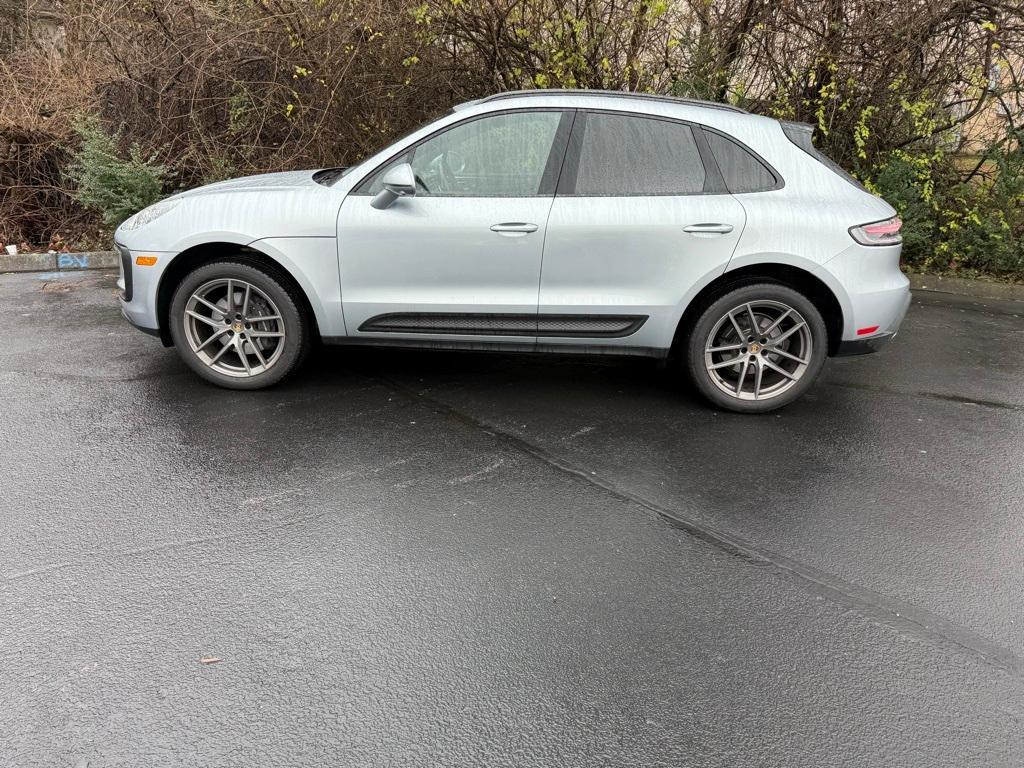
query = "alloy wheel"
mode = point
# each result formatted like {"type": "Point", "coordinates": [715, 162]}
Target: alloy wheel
{"type": "Point", "coordinates": [758, 350]}
{"type": "Point", "coordinates": [234, 327]}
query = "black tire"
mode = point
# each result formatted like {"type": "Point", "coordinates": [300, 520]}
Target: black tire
{"type": "Point", "coordinates": [296, 327]}
{"type": "Point", "coordinates": [713, 385]}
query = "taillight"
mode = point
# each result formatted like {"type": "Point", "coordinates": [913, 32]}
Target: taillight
{"type": "Point", "coordinates": [879, 232]}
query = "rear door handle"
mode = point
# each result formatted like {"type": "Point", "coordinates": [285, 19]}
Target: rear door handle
{"type": "Point", "coordinates": [708, 229]}
{"type": "Point", "coordinates": [514, 227]}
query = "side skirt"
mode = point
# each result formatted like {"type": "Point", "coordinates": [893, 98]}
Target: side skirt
{"type": "Point", "coordinates": [498, 346]}
{"type": "Point", "coordinates": [507, 324]}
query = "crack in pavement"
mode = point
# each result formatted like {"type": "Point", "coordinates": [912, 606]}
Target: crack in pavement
{"type": "Point", "coordinates": [65, 376]}
{"type": "Point", "coordinates": [89, 557]}
{"type": "Point", "coordinates": [164, 546]}
{"type": "Point", "coordinates": [928, 395]}
{"type": "Point", "coordinates": [905, 618]}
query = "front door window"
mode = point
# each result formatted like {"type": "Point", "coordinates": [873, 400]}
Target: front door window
{"type": "Point", "coordinates": [504, 155]}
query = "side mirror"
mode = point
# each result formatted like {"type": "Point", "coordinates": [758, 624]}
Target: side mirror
{"type": "Point", "coordinates": [400, 181]}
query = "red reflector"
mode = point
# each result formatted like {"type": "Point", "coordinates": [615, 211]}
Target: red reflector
{"type": "Point", "coordinates": [866, 331]}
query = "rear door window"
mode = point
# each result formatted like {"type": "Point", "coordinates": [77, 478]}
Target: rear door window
{"type": "Point", "coordinates": [629, 155]}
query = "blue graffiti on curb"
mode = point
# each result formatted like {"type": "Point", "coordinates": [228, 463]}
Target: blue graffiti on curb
{"type": "Point", "coordinates": [72, 261]}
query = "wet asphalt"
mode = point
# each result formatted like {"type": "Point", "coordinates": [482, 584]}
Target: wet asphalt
{"type": "Point", "coordinates": [412, 558]}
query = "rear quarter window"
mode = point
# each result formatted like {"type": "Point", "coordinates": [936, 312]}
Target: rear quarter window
{"type": "Point", "coordinates": [802, 135]}
{"type": "Point", "coordinates": [742, 171]}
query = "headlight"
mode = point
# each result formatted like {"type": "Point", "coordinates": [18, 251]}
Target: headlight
{"type": "Point", "coordinates": [150, 214]}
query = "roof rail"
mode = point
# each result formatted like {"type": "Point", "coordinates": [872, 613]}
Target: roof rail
{"type": "Point", "coordinates": [594, 92]}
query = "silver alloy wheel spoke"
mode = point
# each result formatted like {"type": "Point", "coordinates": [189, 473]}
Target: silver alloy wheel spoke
{"type": "Point", "coordinates": [213, 337]}
{"type": "Point", "coordinates": [739, 331]}
{"type": "Point", "coordinates": [259, 355]}
{"type": "Point", "coordinates": [788, 333]}
{"type": "Point", "coordinates": [747, 369]}
{"type": "Point", "coordinates": [779, 369]}
{"type": "Point", "coordinates": [784, 353]}
{"type": "Point", "coordinates": [202, 318]}
{"type": "Point", "coordinates": [240, 351]}
{"type": "Point", "coordinates": [219, 355]}
{"type": "Point", "coordinates": [778, 320]}
{"type": "Point", "coordinates": [256, 343]}
{"type": "Point", "coordinates": [211, 307]}
{"type": "Point", "coordinates": [726, 363]}
{"type": "Point", "coordinates": [755, 329]}
{"type": "Point", "coordinates": [743, 375]}
{"type": "Point", "coordinates": [726, 348]}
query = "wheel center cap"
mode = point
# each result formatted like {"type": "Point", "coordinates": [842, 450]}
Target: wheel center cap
{"type": "Point", "coordinates": [755, 348]}
{"type": "Point", "coordinates": [237, 326]}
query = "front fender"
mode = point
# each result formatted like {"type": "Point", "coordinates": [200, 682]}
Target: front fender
{"type": "Point", "coordinates": [313, 263]}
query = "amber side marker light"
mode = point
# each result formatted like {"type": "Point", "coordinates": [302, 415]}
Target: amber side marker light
{"type": "Point", "coordinates": [145, 261]}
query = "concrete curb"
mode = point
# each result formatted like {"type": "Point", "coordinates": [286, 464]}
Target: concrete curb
{"type": "Point", "coordinates": [58, 262]}
{"type": "Point", "coordinates": [978, 289]}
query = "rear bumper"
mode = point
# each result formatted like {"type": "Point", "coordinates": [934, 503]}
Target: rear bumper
{"type": "Point", "coordinates": [873, 294]}
{"type": "Point", "coordinates": [879, 339]}
{"type": "Point", "coordinates": [863, 346]}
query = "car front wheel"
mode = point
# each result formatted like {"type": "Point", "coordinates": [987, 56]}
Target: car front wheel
{"type": "Point", "coordinates": [757, 348]}
{"type": "Point", "coordinates": [238, 326]}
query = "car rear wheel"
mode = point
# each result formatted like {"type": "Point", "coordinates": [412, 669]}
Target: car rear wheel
{"type": "Point", "coordinates": [757, 348]}
{"type": "Point", "coordinates": [238, 326]}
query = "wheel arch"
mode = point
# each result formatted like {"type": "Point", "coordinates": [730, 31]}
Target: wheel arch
{"type": "Point", "coordinates": [797, 278]}
{"type": "Point", "coordinates": [204, 253]}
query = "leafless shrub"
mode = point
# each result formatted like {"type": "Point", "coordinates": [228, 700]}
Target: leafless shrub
{"type": "Point", "coordinates": [227, 87]}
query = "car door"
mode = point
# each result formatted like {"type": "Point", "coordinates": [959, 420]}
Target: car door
{"type": "Point", "coordinates": [461, 258]}
{"type": "Point", "coordinates": [641, 216]}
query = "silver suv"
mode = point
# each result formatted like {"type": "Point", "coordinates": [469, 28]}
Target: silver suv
{"type": "Point", "coordinates": [548, 221]}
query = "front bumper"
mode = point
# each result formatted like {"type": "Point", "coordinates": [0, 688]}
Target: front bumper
{"type": "Point", "coordinates": [138, 297]}
{"type": "Point", "coordinates": [151, 331]}
{"type": "Point", "coordinates": [124, 281]}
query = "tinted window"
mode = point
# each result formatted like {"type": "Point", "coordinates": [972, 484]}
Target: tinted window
{"type": "Point", "coordinates": [499, 156]}
{"type": "Point", "coordinates": [742, 171]}
{"type": "Point", "coordinates": [627, 155]}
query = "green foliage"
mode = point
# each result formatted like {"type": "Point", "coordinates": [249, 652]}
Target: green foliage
{"type": "Point", "coordinates": [107, 182]}
{"type": "Point", "coordinates": [956, 225]}
{"type": "Point", "coordinates": [900, 182]}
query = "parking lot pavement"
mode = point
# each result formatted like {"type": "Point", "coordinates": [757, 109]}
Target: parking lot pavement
{"type": "Point", "coordinates": [404, 558]}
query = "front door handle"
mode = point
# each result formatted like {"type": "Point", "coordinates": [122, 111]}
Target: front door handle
{"type": "Point", "coordinates": [708, 229]}
{"type": "Point", "coordinates": [514, 228]}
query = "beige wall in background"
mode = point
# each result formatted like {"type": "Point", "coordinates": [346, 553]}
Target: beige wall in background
{"type": "Point", "coordinates": [36, 22]}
